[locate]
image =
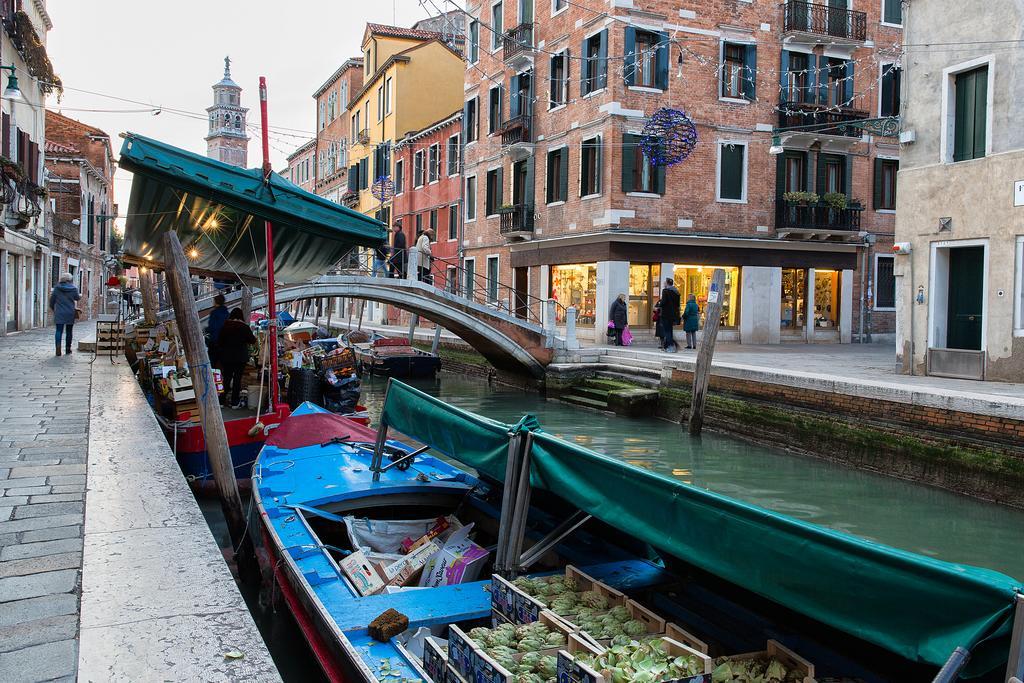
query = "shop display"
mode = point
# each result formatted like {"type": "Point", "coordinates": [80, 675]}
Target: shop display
{"type": "Point", "coordinates": [575, 285]}
{"type": "Point", "coordinates": [696, 280]}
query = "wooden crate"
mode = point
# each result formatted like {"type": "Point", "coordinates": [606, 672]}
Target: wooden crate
{"type": "Point", "coordinates": [680, 635]}
{"type": "Point", "coordinates": [787, 657]}
{"type": "Point", "coordinates": [435, 660]}
{"type": "Point", "coordinates": [460, 652]}
{"type": "Point", "coordinates": [527, 609]}
{"type": "Point", "coordinates": [110, 339]}
{"type": "Point", "coordinates": [577, 672]}
{"type": "Point", "coordinates": [653, 624]}
{"type": "Point", "coordinates": [485, 668]}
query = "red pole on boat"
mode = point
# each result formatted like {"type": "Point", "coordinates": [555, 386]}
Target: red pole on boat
{"type": "Point", "coordinates": [271, 294]}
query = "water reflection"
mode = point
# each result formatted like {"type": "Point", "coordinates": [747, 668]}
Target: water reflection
{"type": "Point", "coordinates": [915, 517]}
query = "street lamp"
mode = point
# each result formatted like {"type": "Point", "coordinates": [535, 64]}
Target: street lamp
{"type": "Point", "coordinates": [776, 147]}
{"type": "Point", "coordinates": [12, 91]}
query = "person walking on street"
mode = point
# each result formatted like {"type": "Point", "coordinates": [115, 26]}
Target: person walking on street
{"type": "Point", "coordinates": [218, 316]}
{"type": "Point", "coordinates": [380, 259]}
{"type": "Point", "coordinates": [423, 247]}
{"type": "Point", "coordinates": [398, 253]}
{"type": "Point", "coordinates": [691, 321]}
{"type": "Point", "coordinates": [136, 302]}
{"type": "Point", "coordinates": [619, 315]}
{"type": "Point", "coordinates": [233, 345]}
{"type": "Point", "coordinates": [62, 303]}
{"type": "Point", "coordinates": [670, 304]}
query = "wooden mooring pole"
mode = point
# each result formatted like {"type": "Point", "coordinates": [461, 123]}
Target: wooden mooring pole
{"type": "Point", "coordinates": [246, 302]}
{"type": "Point", "coordinates": [149, 305]}
{"type": "Point", "coordinates": [217, 449]}
{"type": "Point", "coordinates": [702, 370]}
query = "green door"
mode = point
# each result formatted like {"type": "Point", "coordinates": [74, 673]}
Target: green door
{"type": "Point", "coordinates": [966, 278]}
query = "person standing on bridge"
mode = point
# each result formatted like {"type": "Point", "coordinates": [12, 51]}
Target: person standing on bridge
{"type": "Point", "coordinates": [423, 247]}
{"type": "Point", "coordinates": [62, 303]}
{"type": "Point", "coordinates": [398, 252]}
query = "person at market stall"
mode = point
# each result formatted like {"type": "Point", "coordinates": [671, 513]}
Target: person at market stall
{"type": "Point", "coordinates": [62, 303]}
{"type": "Point", "coordinates": [218, 315]}
{"type": "Point", "coordinates": [618, 315]}
{"type": "Point", "coordinates": [398, 253]}
{"type": "Point", "coordinates": [691, 321]}
{"type": "Point", "coordinates": [670, 301]}
{"type": "Point", "coordinates": [423, 247]}
{"type": "Point", "coordinates": [233, 346]}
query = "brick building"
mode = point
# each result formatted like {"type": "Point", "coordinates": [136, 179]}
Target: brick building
{"type": "Point", "coordinates": [427, 178]}
{"type": "Point", "coordinates": [561, 200]}
{"type": "Point", "coordinates": [301, 168]}
{"type": "Point", "coordinates": [80, 182]}
{"type": "Point", "coordinates": [333, 132]}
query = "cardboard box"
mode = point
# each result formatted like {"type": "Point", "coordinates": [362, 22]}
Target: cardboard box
{"type": "Point", "coordinates": [402, 571]}
{"type": "Point", "coordinates": [435, 660]}
{"type": "Point", "coordinates": [362, 573]}
{"type": "Point", "coordinates": [460, 652]}
{"type": "Point", "coordinates": [441, 524]}
{"type": "Point", "coordinates": [459, 561]}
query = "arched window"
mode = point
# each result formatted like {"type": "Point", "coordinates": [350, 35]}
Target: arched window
{"type": "Point", "coordinates": [227, 120]}
{"type": "Point", "coordinates": [238, 122]}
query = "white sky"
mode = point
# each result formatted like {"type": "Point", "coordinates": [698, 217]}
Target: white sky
{"type": "Point", "coordinates": [170, 53]}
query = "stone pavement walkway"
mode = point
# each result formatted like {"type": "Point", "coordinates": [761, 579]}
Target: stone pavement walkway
{"type": "Point", "coordinates": [44, 438]}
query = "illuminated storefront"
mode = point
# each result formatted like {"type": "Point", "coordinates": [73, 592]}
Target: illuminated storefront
{"type": "Point", "coordinates": [643, 292]}
{"type": "Point", "coordinates": [575, 285]}
{"type": "Point", "coordinates": [826, 299]}
{"type": "Point", "coordinates": [794, 299]}
{"type": "Point", "coordinates": [696, 280]}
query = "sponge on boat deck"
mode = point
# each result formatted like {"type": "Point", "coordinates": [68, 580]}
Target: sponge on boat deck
{"type": "Point", "coordinates": [388, 625]}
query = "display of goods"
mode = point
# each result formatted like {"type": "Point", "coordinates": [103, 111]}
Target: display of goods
{"type": "Point", "coordinates": [776, 664]}
{"type": "Point", "coordinates": [650, 661]}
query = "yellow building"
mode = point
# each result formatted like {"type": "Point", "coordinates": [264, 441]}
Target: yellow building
{"type": "Point", "coordinates": [411, 79]}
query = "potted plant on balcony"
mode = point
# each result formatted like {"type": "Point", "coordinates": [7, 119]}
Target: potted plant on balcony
{"type": "Point", "coordinates": [800, 198]}
{"type": "Point", "coordinates": [837, 201]}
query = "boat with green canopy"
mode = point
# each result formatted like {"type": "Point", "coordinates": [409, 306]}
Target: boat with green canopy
{"type": "Point", "coordinates": [700, 571]}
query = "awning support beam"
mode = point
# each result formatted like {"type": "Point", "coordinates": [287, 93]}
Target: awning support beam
{"type": "Point", "coordinates": [950, 671]}
{"type": "Point", "coordinates": [556, 536]}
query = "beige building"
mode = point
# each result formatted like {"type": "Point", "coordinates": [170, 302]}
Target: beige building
{"type": "Point", "coordinates": [960, 221]}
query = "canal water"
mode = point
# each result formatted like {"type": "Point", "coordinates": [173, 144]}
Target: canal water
{"type": "Point", "coordinates": [899, 513]}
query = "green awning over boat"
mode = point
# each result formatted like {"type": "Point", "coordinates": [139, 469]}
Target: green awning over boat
{"type": "Point", "coordinates": [917, 607]}
{"type": "Point", "coordinates": [218, 211]}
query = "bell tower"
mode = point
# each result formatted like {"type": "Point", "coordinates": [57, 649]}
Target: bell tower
{"type": "Point", "coordinates": [227, 140]}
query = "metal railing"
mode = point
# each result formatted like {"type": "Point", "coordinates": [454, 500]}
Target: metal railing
{"type": "Point", "coordinates": [517, 129]}
{"type": "Point", "coordinates": [516, 218]}
{"type": "Point", "coordinates": [824, 20]}
{"type": "Point", "coordinates": [800, 114]}
{"type": "Point", "coordinates": [518, 40]}
{"type": "Point", "coordinates": [363, 136]}
{"type": "Point", "coordinates": [816, 217]}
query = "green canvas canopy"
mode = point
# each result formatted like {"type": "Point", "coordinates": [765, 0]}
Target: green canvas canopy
{"type": "Point", "coordinates": [918, 607]}
{"type": "Point", "coordinates": [218, 212]}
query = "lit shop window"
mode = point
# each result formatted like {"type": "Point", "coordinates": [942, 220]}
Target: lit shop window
{"type": "Point", "coordinates": [696, 280]}
{"type": "Point", "coordinates": [575, 285]}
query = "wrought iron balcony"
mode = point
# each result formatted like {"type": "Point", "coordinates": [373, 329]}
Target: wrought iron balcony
{"type": "Point", "coordinates": [830, 121]}
{"type": "Point", "coordinates": [823, 20]}
{"type": "Point", "coordinates": [518, 40]}
{"type": "Point", "coordinates": [516, 219]}
{"type": "Point", "coordinates": [816, 218]}
{"type": "Point", "coordinates": [516, 130]}
{"type": "Point", "coordinates": [363, 137]}
{"type": "Point", "coordinates": [350, 199]}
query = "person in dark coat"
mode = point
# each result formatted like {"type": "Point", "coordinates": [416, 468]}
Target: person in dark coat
{"type": "Point", "coordinates": [213, 326]}
{"type": "Point", "coordinates": [619, 315]}
{"type": "Point", "coordinates": [62, 303]}
{"type": "Point", "coordinates": [670, 302]}
{"type": "Point", "coordinates": [398, 253]}
{"type": "Point", "coordinates": [233, 344]}
{"type": "Point", "coordinates": [691, 321]}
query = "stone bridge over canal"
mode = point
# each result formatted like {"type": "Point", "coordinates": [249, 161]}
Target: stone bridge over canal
{"type": "Point", "coordinates": [510, 342]}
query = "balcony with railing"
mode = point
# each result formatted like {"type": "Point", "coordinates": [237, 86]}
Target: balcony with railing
{"type": "Point", "coordinates": [363, 136]}
{"type": "Point", "coordinates": [813, 21]}
{"type": "Point", "coordinates": [518, 43]}
{"type": "Point", "coordinates": [818, 119]}
{"type": "Point", "coordinates": [350, 199]}
{"type": "Point", "coordinates": [516, 220]}
{"type": "Point", "coordinates": [517, 130]}
{"type": "Point", "coordinates": [817, 220]}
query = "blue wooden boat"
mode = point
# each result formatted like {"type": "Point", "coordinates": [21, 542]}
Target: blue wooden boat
{"type": "Point", "coordinates": [731, 573]}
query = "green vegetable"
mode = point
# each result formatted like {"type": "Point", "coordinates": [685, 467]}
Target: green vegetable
{"type": "Point", "coordinates": [594, 599]}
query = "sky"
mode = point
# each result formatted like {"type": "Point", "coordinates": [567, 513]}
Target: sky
{"type": "Point", "coordinates": [170, 54]}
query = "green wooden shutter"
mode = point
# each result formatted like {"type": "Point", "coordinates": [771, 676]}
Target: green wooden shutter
{"type": "Point", "coordinates": [602, 61]}
{"type": "Point", "coordinates": [353, 178]}
{"type": "Point", "coordinates": [822, 77]}
{"type": "Point", "coordinates": [887, 98]}
{"type": "Point", "coordinates": [567, 69]}
{"type": "Point", "coordinates": [549, 188]}
{"type": "Point", "coordinates": [784, 76]}
{"type": "Point", "coordinates": [780, 175]}
{"type": "Point", "coordinates": [629, 143]}
{"type": "Point", "coordinates": [980, 111]}
{"type": "Point", "coordinates": [629, 63]}
{"type": "Point", "coordinates": [563, 177]}
{"type": "Point", "coordinates": [970, 114]}
{"type": "Point", "coordinates": [499, 199]}
{"type": "Point", "coordinates": [514, 98]}
{"type": "Point", "coordinates": [659, 173]}
{"type": "Point", "coordinates": [732, 171]}
{"type": "Point", "coordinates": [876, 200]}
{"type": "Point", "coordinates": [598, 168]}
{"type": "Point", "coordinates": [811, 93]}
{"type": "Point", "coordinates": [819, 175]}
{"type": "Point", "coordinates": [848, 84]}
{"type": "Point", "coordinates": [661, 66]}
{"type": "Point", "coordinates": [529, 192]}
{"type": "Point", "coordinates": [750, 73]}
{"type": "Point", "coordinates": [848, 176]}
{"type": "Point", "coordinates": [893, 12]}
{"type": "Point", "coordinates": [585, 68]}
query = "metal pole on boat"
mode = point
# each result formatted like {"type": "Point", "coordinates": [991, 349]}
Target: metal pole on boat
{"type": "Point", "coordinates": [217, 449]}
{"type": "Point", "coordinates": [382, 436]}
{"type": "Point", "coordinates": [702, 369]}
{"type": "Point", "coordinates": [269, 235]}
{"type": "Point", "coordinates": [501, 564]}
{"type": "Point", "coordinates": [1015, 665]}
{"type": "Point", "coordinates": [521, 506]}
{"type": "Point", "coordinates": [950, 671]}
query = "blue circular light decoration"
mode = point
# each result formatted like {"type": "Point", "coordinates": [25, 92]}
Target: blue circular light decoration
{"type": "Point", "coordinates": [383, 188]}
{"type": "Point", "coordinates": [669, 137]}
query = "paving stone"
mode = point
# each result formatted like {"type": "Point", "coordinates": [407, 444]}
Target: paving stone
{"type": "Point", "coordinates": [56, 498]}
{"type": "Point", "coordinates": [22, 482]}
{"type": "Point", "coordinates": [47, 509]}
{"type": "Point", "coordinates": [38, 548]}
{"type": "Point", "coordinates": [40, 662]}
{"type": "Point", "coordinates": [48, 471]}
{"type": "Point", "coordinates": [68, 488]}
{"type": "Point", "coordinates": [16, 500]}
{"type": "Point", "coordinates": [28, 491]}
{"type": "Point", "coordinates": [52, 534]}
{"type": "Point", "coordinates": [38, 608]}
{"type": "Point", "coordinates": [66, 479]}
{"type": "Point", "coordinates": [35, 585]}
{"type": "Point", "coordinates": [37, 565]}
{"type": "Point", "coordinates": [37, 632]}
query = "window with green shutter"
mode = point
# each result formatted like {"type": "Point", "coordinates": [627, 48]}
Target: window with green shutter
{"type": "Point", "coordinates": [885, 183]}
{"type": "Point", "coordinates": [638, 173]}
{"type": "Point", "coordinates": [558, 175]}
{"type": "Point", "coordinates": [971, 114]}
{"type": "Point", "coordinates": [731, 171]}
{"type": "Point", "coordinates": [590, 167]}
{"type": "Point", "coordinates": [892, 12]}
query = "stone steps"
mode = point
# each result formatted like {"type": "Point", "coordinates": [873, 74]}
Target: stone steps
{"type": "Point", "coordinates": [627, 376]}
{"type": "Point", "coordinates": [630, 361]}
{"type": "Point", "coordinates": [585, 402]}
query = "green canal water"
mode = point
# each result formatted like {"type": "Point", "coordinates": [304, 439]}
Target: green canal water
{"type": "Point", "coordinates": [899, 513]}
